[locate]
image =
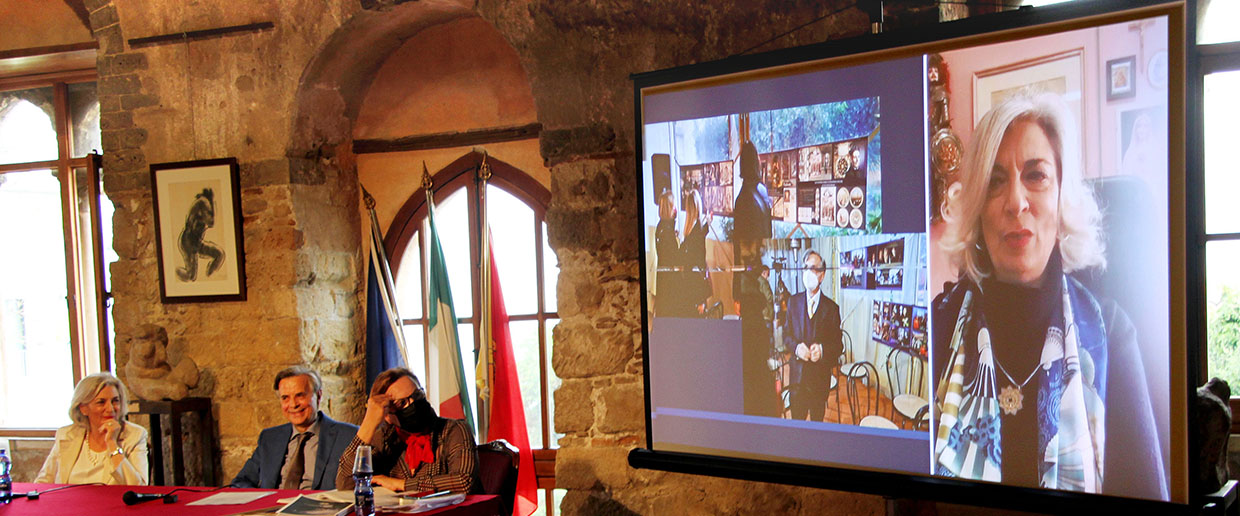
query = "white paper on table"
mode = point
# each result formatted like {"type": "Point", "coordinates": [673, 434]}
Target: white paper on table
{"type": "Point", "coordinates": [383, 496]}
{"type": "Point", "coordinates": [416, 505]}
{"type": "Point", "coordinates": [232, 498]}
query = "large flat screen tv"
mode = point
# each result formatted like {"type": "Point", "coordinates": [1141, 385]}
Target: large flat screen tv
{"type": "Point", "coordinates": [924, 264]}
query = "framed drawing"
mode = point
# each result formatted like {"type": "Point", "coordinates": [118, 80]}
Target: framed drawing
{"type": "Point", "coordinates": [1059, 73]}
{"type": "Point", "coordinates": [1120, 77]}
{"type": "Point", "coordinates": [198, 230]}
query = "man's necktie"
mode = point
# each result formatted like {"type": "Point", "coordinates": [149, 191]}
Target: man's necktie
{"type": "Point", "coordinates": [292, 480]}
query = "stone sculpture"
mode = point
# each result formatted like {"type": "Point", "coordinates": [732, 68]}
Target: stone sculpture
{"type": "Point", "coordinates": [148, 373]}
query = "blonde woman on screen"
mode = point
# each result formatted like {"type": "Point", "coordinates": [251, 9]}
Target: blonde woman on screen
{"type": "Point", "coordinates": [100, 446]}
{"type": "Point", "coordinates": [1040, 382]}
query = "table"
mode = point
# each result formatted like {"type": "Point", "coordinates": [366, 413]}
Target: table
{"type": "Point", "coordinates": [97, 500]}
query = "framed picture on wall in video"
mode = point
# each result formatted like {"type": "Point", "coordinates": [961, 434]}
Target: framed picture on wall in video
{"type": "Point", "coordinates": [198, 230]}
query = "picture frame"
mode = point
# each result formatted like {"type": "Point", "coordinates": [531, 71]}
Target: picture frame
{"type": "Point", "coordinates": [1061, 73]}
{"type": "Point", "coordinates": [1121, 78]}
{"type": "Point", "coordinates": [199, 243]}
{"type": "Point", "coordinates": [1138, 151]}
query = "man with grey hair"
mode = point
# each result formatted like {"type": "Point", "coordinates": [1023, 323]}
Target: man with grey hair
{"type": "Point", "coordinates": [303, 453]}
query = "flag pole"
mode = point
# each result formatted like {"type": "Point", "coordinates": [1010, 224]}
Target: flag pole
{"type": "Point", "coordinates": [485, 370]}
{"type": "Point", "coordinates": [383, 269]}
{"type": "Point", "coordinates": [428, 184]}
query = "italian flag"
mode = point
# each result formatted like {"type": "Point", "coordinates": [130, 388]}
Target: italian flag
{"type": "Point", "coordinates": [445, 373]}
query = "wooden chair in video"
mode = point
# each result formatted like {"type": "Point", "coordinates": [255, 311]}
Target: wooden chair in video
{"type": "Point", "coordinates": [906, 389]}
{"type": "Point", "coordinates": [847, 360]}
{"type": "Point", "coordinates": [864, 376]}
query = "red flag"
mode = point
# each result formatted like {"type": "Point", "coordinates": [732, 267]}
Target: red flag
{"type": "Point", "coordinates": [507, 409]}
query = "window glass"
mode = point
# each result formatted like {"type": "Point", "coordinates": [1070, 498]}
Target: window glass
{"type": "Point", "coordinates": [551, 275]}
{"type": "Point", "coordinates": [512, 228]}
{"type": "Point", "coordinates": [452, 222]}
{"type": "Point", "coordinates": [34, 334]}
{"type": "Point", "coordinates": [525, 353]}
{"type": "Point", "coordinates": [409, 280]}
{"type": "Point", "coordinates": [1223, 309]}
{"type": "Point", "coordinates": [26, 130]}
{"type": "Point", "coordinates": [106, 211]}
{"type": "Point", "coordinates": [84, 116]}
{"type": "Point", "coordinates": [1222, 107]}
{"type": "Point", "coordinates": [557, 496]}
{"type": "Point", "coordinates": [1221, 22]}
{"type": "Point", "coordinates": [415, 349]}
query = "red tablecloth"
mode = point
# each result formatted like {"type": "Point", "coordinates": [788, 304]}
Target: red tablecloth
{"type": "Point", "coordinates": [93, 500]}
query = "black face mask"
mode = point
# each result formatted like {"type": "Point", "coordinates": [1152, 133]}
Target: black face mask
{"type": "Point", "coordinates": [417, 418]}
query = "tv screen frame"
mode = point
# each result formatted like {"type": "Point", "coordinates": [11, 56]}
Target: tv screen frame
{"type": "Point", "coordinates": [1182, 262]}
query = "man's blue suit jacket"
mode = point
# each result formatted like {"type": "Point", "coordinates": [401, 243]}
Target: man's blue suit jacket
{"type": "Point", "coordinates": [263, 468]}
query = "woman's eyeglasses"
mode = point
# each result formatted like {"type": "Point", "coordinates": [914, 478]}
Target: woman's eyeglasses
{"type": "Point", "coordinates": [408, 400]}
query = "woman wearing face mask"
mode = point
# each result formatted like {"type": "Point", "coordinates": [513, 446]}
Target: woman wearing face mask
{"type": "Point", "coordinates": [414, 449]}
{"type": "Point", "coordinates": [99, 446]}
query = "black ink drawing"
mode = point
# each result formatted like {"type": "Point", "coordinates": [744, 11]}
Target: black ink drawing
{"type": "Point", "coordinates": [201, 216]}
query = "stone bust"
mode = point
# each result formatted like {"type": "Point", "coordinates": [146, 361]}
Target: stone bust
{"type": "Point", "coordinates": [148, 373]}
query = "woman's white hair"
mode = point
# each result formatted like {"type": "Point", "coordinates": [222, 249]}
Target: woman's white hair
{"type": "Point", "coordinates": [88, 388]}
{"type": "Point", "coordinates": [1080, 242]}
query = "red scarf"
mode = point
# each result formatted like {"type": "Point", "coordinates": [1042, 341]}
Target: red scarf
{"type": "Point", "coordinates": [418, 450]}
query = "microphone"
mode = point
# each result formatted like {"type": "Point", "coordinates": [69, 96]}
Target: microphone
{"type": "Point", "coordinates": [132, 498]}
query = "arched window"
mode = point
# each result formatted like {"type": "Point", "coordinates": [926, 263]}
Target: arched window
{"type": "Point", "coordinates": [516, 206]}
{"type": "Point", "coordinates": [53, 219]}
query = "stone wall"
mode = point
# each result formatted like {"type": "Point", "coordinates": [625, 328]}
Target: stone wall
{"type": "Point", "coordinates": [588, 142]}
{"type": "Point", "coordinates": [232, 96]}
{"type": "Point", "coordinates": [282, 100]}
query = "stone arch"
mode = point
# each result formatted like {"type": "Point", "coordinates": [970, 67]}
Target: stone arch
{"type": "Point", "coordinates": [335, 81]}
{"type": "Point", "coordinates": [323, 174]}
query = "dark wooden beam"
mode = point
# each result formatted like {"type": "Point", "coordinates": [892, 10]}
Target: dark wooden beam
{"type": "Point", "coordinates": [54, 49]}
{"type": "Point", "coordinates": [200, 34]}
{"type": "Point", "coordinates": [447, 140]}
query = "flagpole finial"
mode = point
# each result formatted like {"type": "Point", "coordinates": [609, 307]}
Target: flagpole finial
{"type": "Point", "coordinates": [368, 199]}
{"type": "Point", "coordinates": [484, 170]}
{"type": "Point", "coordinates": [427, 183]}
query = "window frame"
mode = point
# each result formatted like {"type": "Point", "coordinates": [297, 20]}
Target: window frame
{"type": "Point", "coordinates": [1203, 59]}
{"type": "Point", "coordinates": [84, 310]}
{"type": "Point", "coordinates": [407, 223]}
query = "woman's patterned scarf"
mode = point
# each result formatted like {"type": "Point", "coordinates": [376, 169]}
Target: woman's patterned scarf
{"type": "Point", "coordinates": [1071, 380]}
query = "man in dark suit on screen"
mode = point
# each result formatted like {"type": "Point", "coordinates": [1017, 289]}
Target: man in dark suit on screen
{"type": "Point", "coordinates": [751, 229]}
{"type": "Point", "coordinates": [305, 452]}
{"type": "Point", "coordinates": [813, 333]}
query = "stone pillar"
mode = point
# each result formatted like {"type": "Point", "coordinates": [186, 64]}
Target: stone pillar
{"type": "Point", "coordinates": [578, 57]}
{"type": "Point", "coordinates": [232, 96]}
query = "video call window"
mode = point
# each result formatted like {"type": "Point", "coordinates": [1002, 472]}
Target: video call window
{"type": "Point", "coordinates": [980, 253]}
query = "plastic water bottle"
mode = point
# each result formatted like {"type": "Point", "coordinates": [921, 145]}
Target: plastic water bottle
{"type": "Point", "coordinates": [6, 481]}
{"type": "Point", "coordinates": [363, 492]}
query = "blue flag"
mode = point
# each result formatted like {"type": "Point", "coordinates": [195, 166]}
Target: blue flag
{"type": "Point", "coordinates": [385, 342]}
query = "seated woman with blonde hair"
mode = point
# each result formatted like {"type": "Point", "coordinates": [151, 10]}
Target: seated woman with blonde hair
{"type": "Point", "coordinates": [100, 446]}
{"type": "Point", "coordinates": [1040, 379]}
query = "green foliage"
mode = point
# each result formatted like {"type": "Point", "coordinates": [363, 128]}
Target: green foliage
{"type": "Point", "coordinates": [1224, 337]}
{"type": "Point", "coordinates": [782, 129]}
